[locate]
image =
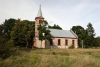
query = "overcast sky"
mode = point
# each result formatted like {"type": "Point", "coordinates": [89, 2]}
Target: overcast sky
{"type": "Point", "coordinates": [65, 13]}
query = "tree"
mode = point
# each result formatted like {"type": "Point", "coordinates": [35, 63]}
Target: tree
{"type": "Point", "coordinates": [44, 33]}
{"type": "Point", "coordinates": [87, 35]}
{"type": "Point", "coordinates": [1, 29]}
{"type": "Point", "coordinates": [7, 27]}
{"type": "Point", "coordinates": [5, 42]}
{"type": "Point", "coordinates": [55, 27]}
{"type": "Point", "coordinates": [5, 48]}
{"type": "Point", "coordinates": [91, 33]}
{"type": "Point", "coordinates": [90, 30]}
{"type": "Point", "coordinates": [21, 32]}
{"type": "Point", "coordinates": [81, 33]}
{"type": "Point", "coordinates": [97, 42]}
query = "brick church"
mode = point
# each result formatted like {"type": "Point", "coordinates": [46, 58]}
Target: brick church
{"type": "Point", "coordinates": [59, 38]}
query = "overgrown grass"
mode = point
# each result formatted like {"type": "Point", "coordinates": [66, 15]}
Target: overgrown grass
{"type": "Point", "coordinates": [53, 58]}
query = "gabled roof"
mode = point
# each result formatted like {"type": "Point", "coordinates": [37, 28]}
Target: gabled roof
{"type": "Point", "coordinates": [39, 12]}
{"type": "Point", "coordinates": [62, 33]}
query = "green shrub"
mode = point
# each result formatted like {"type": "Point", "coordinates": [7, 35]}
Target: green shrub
{"type": "Point", "coordinates": [5, 49]}
{"type": "Point", "coordinates": [71, 47]}
{"type": "Point", "coordinates": [53, 53]}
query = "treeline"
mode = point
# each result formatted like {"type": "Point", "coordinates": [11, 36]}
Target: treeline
{"type": "Point", "coordinates": [16, 32]}
{"type": "Point", "coordinates": [86, 37]}
{"type": "Point", "coordinates": [19, 32]}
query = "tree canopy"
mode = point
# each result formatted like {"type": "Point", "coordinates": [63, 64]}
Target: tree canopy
{"type": "Point", "coordinates": [55, 27]}
{"type": "Point", "coordinates": [21, 32]}
{"type": "Point", "coordinates": [44, 33]}
{"type": "Point", "coordinates": [87, 35]}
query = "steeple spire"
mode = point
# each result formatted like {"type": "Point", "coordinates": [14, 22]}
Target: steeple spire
{"type": "Point", "coordinates": [39, 12]}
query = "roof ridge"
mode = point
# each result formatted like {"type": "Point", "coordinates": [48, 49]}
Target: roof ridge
{"type": "Point", "coordinates": [73, 33]}
{"type": "Point", "coordinates": [59, 29]}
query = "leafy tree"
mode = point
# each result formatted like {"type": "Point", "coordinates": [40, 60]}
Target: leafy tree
{"type": "Point", "coordinates": [5, 42]}
{"type": "Point", "coordinates": [5, 48]}
{"type": "Point", "coordinates": [55, 27]}
{"type": "Point", "coordinates": [1, 29]}
{"type": "Point", "coordinates": [97, 42]}
{"type": "Point", "coordinates": [21, 32]}
{"type": "Point", "coordinates": [44, 33]}
{"type": "Point", "coordinates": [86, 35]}
{"type": "Point", "coordinates": [7, 27]}
{"type": "Point", "coordinates": [81, 33]}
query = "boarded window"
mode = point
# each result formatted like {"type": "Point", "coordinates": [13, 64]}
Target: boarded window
{"type": "Point", "coordinates": [51, 42]}
{"type": "Point", "coordinates": [66, 42]}
{"type": "Point", "coordinates": [72, 42]}
{"type": "Point", "coordinates": [58, 41]}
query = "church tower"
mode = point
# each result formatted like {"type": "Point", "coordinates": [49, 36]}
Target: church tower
{"type": "Point", "coordinates": [36, 41]}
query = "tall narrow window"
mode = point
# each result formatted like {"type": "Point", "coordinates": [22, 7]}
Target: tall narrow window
{"type": "Point", "coordinates": [66, 42]}
{"type": "Point", "coordinates": [51, 42]}
{"type": "Point", "coordinates": [72, 42]}
{"type": "Point", "coordinates": [58, 41]}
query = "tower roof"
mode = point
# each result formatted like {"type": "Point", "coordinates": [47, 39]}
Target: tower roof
{"type": "Point", "coordinates": [39, 12]}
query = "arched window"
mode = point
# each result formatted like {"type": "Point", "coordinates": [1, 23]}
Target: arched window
{"type": "Point", "coordinates": [51, 42]}
{"type": "Point", "coordinates": [72, 42]}
{"type": "Point", "coordinates": [66, 42]}
{"type": "Point", "coordinates": [59, 42]}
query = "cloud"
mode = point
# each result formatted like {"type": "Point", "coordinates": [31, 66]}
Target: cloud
{"type": "Point", "coordinates": [23, 9]}
{"type": "Point", "coordinates": [65, 13]}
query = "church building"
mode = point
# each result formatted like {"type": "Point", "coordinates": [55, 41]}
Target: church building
{"type": "Point", "coordinates": [59, 38]}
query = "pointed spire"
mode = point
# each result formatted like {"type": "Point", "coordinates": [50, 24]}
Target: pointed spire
{"type": "Point", "coordinates": [39, 12]}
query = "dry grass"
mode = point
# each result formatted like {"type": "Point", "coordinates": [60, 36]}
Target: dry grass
{"type": "Point", "coordinates": [53, 58]}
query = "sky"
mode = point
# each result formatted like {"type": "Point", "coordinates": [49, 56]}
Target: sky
{"type": "Point", "coordinates": [65, 13]}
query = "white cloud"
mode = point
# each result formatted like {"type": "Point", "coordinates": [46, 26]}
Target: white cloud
{"type": "Point", "coordinates": [23, 9]}
{"type": "Point", "coordinates": [66, 13]}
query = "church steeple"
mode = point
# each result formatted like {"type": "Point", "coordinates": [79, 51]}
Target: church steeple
{"type": "Point", "coordinates": [36, 42]}
{"type": "Point", "coordinates": [39, 12]}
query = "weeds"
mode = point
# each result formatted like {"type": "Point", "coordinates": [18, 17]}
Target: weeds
{"type": "Point", "coordinates": [53, 58]}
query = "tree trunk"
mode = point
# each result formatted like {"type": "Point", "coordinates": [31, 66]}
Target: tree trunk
{"type": "Point", "coordinates": [26, 44]}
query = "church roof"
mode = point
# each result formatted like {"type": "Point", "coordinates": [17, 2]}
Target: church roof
{"type": "Point", "coordinates": [39, 12]}
{"type": "Point", "coordinates": [62, 33]}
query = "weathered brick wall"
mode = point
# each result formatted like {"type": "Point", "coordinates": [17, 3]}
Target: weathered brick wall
{"type": "Point", "coordinates": [38, 43]}
{"type": "Point", "coordinates": [62, 43]}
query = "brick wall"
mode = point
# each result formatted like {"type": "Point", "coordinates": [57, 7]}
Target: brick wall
{"type": "Point", "coordinates": [62, 43]}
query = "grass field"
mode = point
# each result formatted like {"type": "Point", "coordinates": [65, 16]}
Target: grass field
{"type": "Point", "coordinates": [53, 58]}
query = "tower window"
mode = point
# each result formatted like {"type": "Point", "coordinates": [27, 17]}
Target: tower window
{"type": "Point", "coordinates": [59, 42]}
{"type": "Point", "coordinates": [40, 21]}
